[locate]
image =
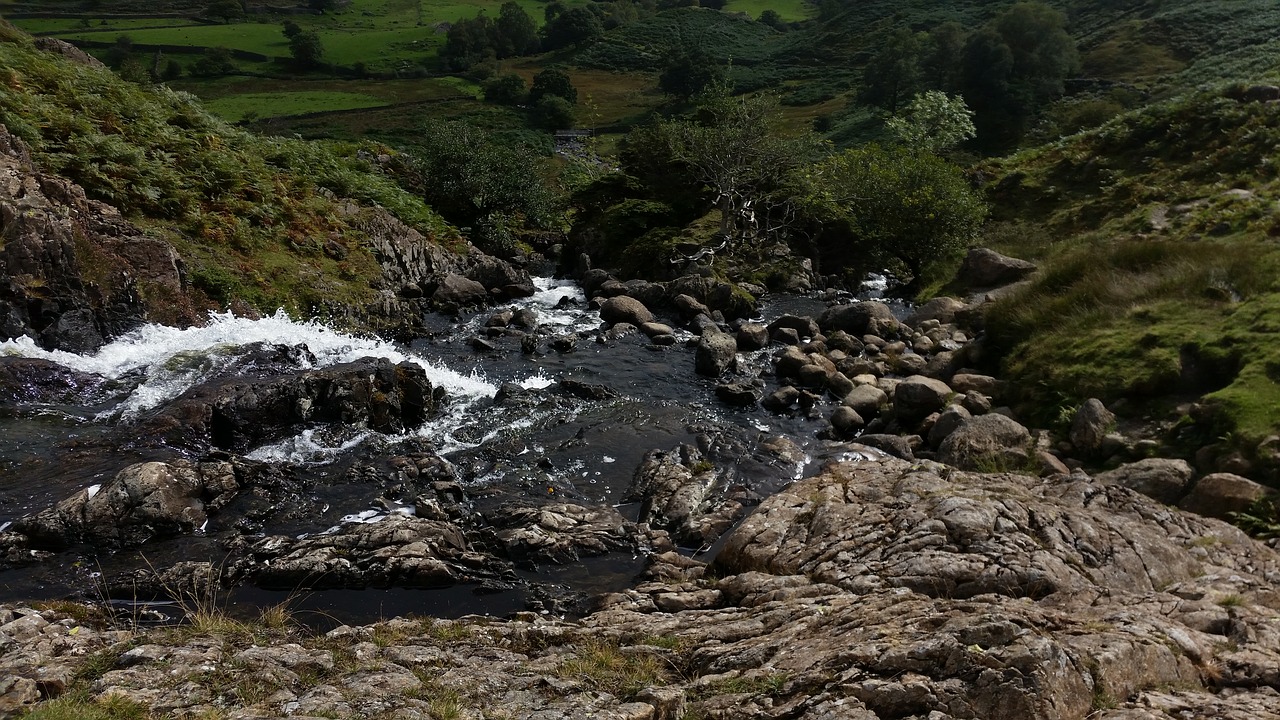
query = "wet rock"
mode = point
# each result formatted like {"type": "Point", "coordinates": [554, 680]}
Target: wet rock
{"type": "Point", "coordinates": [654, 329]}
{"type": "Point", "coordinates": [586, 390]}
{"type": "Point", "coordinates": [985, 268]}
{"type": "Point", "coordinates": [689, 306]}
{"type": "Point", "coordinates": [738, 394]}
{"type": "Point", "coordinates": [785, 336]}
{"type": "Point", "coordinates": [564, 343]}
{"type": "Point", "coordinates": [455, 291]}
{"type": "Point", "coordinates": [716, 354]}
{"type": "Point", "coordinates": [682, 493]}
{"type": "Point", "coordinates": [1092, 423]}
{"type": "Point", "coordinates": [1221, 494]}
{"type": "Point", "coordinates": [987, 442]}
{"type": "Point", "coordinates": [625, 309]}
{"type": "Point", "coordinates": [782, 399]}
{"type": "Point", "coordinates": [804, 327]}
{"type": "Point", "coordinates": [237, 413]}
{"type": "Point", "coordinates": [856, 318]}
{"type": "Point", "coordinates": [1160, 478]}
{"type": "Point", "coordinates": [752, 336]}
{"type": "Point", "coordinates": [844, 342]}
{"type": "Point", "coordinates": [31, 380]}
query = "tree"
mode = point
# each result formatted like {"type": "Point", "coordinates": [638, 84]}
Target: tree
{"type": "Point", "coordinates": [120, 51]}
{"type": "Point", "coordinates": [735, 147]}
{"type": "Point", "coordinates": [1043, 53]}
{"type": "Point", "coordinates": [574, 27]}
{"type": "Point", "coordinates": [933, 121]}
{"type": "Point", "coordinates": [943, 56]}
{"type": "Point", "coordinates": [306, 49]}
{"type": "Point", "coordinates": [225, 10]}
{"type": "Point", "coordinates": [495, 186]}
{"type": "Point", "coordinates": [552, 112]}
{"type": "Point", "coordinates": [893, 75]}
{"type": "Point", "coordinates": [552, 81]}
{"type": "Point", "coordinates": [689, 73]}
{"type": "Point", "coordinates": [509, 89]}
{"type": "Point", "coordinates": [902, 204]}
{"type": "Point", "coordinates": [517, 33]}
{"type": "Point", "coordinates": [773, 20]}
{"type": "Point", "coordinates": [215, 61]}
{"type": "Point", "coordinates": [468, 43]}
{"type": "Point", "coordinates": [290, 29]}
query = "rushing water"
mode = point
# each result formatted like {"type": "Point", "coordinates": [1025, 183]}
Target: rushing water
{"type": "Point", "coordinates": [586, 451]}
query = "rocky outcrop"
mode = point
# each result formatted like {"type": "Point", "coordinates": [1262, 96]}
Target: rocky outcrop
{"type": "Point", "coordinates": [876, 590]}
{"type": "Point", "coordinates": [73, 272]}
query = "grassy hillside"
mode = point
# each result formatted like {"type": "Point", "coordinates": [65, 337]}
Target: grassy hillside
{"type": "Point", "coordinates": [1158, 235]}
{"type": "Point", "coordinates": [254, 218]}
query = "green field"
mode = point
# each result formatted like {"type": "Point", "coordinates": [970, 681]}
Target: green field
{"type": "Point", "coordinates": [253, 105]}
{"type": "Point", "coordinates": [789, 10]}
{"type": "Point", "coordinates": [72, 25]}
{"type": "Point", "coordinates": [253, 37]}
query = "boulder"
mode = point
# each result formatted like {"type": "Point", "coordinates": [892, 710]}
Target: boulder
{"type": "Point", "coordinates": [943, 309]}
{"type": "Point", "coordinates": [781, 399]}
{"type": "Point", "coordinates": [855, 318]}
{"type": "Point", "coordinates": [866, 399]}
{"type": "Point", "coordinates": [738, 394]}
{"type": "Point", "coordinates": [716, 354]}
{"type": "Point", "coordinates": [918, 396]}
{"type": "Point", "coordinates": [1092, 423]}
{"type": "Point", "coordinates": [456, 291]}
{"type": "Point", "coordinates": [846, 421]}
{"type": "Point", "coordinates": [1221, 494]}
{"type": "Point", "coordinates": [987, 442]}
{"type": "Point", "coordinates": [752, 336]}
{"type": "Point", "coordinates": [947, 422]}
{"type": "Point", "coordinates": [896, 445]}
{"type": "Point", "coordinates": [965, 383]}
{"type": "Point", "coordinates": [623, 309]}
{"type": "Point", "coordinates": [985, 268]}
{"type": "Point", "coordinates": [804, 327]}
{"type": "Point", "coordinates": [1160, 478]}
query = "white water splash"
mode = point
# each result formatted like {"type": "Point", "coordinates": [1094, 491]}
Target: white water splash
{"type": "Point", "coordinates": [175, 359]}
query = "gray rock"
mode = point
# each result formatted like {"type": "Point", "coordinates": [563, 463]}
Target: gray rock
{"type": "Point", "coordinates": [623, 309]}
{"type": "Point", "coordinates": [985, 268]}
{"type": "Point", "coordinates": [896, 445]}
{"type": "Point", "coordinates": [804, 327]}
{"type": "Point", "coordinates": [752, 336]}
{"type": "Point", "coordinates": [856, 318]}
{"type": "Point", "coordinates": [717, 354]}
{"type": "Point", "coordinates": [1221, 494]}
{"type": "Point", "coordinates": [969, 382]}
{"type": "Point", "coordinates": [1090, 427]}
{"type": "Point", "coordinates": [1160, 478]}
{"type": "Point", "coordinates": [654, 329]}
{"type": "Point", "coordinates": [782, 399]}
{"type": "Point", "coordinates": [867, 400]}
{"type": "Point", "coordinates": [948, 420]}
{"type": "Point", "coordinates": [943, 309]}
{"type": "Point", "coordinates": [456, 291]}
{"type": "Point", "coordinates": [846, 421]}
{"type": "Point", "coordinates": [918, 396]}
{"type": "Point", "coordinates": [987, 442]}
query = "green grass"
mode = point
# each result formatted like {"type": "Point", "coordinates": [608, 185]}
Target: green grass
{"type": "Point", "coordinates": [113, 26]}
{"type": "Point", "coordinates": [264, 38]}
{"type": "Point", "coordinates": [238, 107]}
{"type": "Point", "coordinates": [789, 10]}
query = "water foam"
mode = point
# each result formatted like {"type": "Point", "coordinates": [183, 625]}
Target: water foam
{"type": "Point", "coordinates": [175, 359]}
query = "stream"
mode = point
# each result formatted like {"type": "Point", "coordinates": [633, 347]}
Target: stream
{"type": "Point", "coordinates": [583, 451]}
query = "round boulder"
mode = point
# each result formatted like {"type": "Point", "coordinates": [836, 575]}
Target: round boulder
{"type": "Point", "coordinates": [1220, 494]}
{"type": "Point", "coordinates": [1160, 478]}
{"type": "Point", "coordinates": [988, 443]}
{"type": "Point", "coordinates": [918, 396]}
{"type": "Point", "coordinates": [855, 318]}
{"type": "Point", "coordinates": [716, 354]}
{"type": "Point", "coordinates": [623, 309]}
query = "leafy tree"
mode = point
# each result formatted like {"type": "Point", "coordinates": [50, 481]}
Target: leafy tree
{"type": "Point", "coordinates": [553, 10]}
{"type": "Point", "coordinates": [902, 204]}
{"type": "Point", "coordinates": [574, 27]}
{"type": "Point", "coordinates": [516, 32]}
{"type": "Point", "coordinates": [689, 73]}
{"type": "Point", "coordinates": [735, 147]}
{"type": "Point", "coordinates": [215, 61]}
{"type": "Point", "coordinates": [552, 81]}
{"type": "Point", "coordinates": [942, 60]}
{"type": "Point", "coordinates": [290, 29]}
{"type": "Point", "coordinates": [468, 42]}
{"type": "Point", "coordinates": [120, 51]}
{"type": "Point", "coordinates": [172, 70]}
{"type": "Point", "coordinates": [1043, 53]}
{"type": "Point", "coordinates": [225, 10]}
{"type": "Point", "coordinates": [490, 184]}
{"type": "Point", "coordinates": [306, 49]}
{"type": "Point", "coordinates": [933, 121]}
{"type": "Point", "coordinates": [508, 89]}
{"type": "Point", "coordinates": [894, 75]}
{"type": "Point", "coordinates": [773, 20]}
{"type": "Point", "coordinates": [552, 112]}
